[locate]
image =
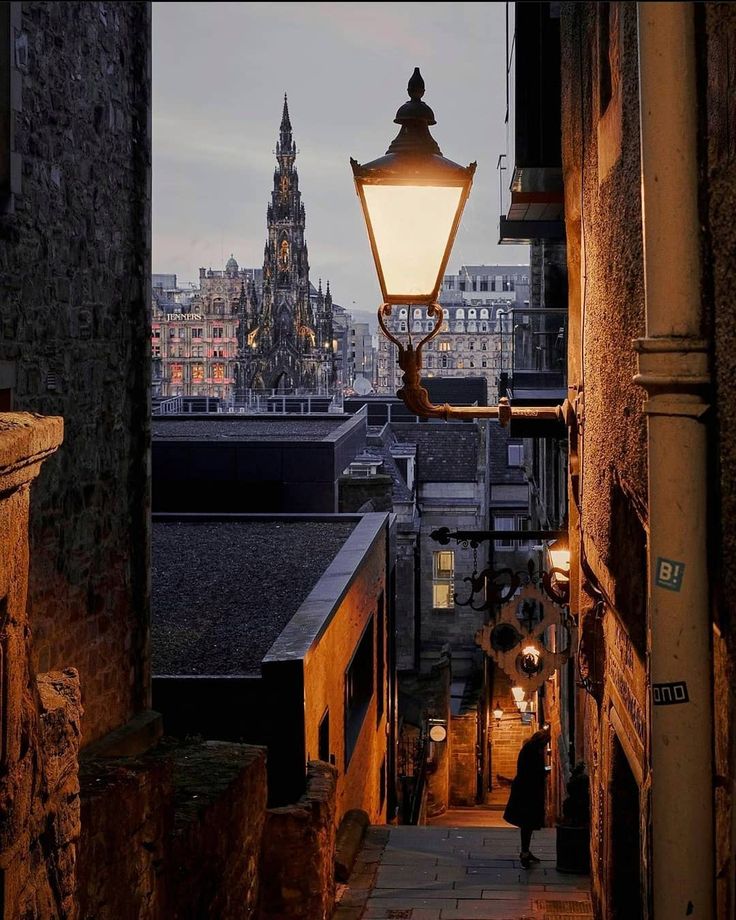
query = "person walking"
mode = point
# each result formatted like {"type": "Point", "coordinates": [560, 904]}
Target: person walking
{"type": "Point", "coordinates": [525, 807]}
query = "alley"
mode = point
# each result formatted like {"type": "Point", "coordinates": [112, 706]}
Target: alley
{"type": "Point", "coordinates": [459, 873]}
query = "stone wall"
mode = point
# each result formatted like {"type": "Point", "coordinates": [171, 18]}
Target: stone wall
{"type": "Point", "coordinates": [463, 737]}
{"type": "Point", "coordinates": [74, 326]}
{"type": "Point", "coordinates": [40, 715]}
{"type": "Point", "coordinates": [174, 833]}
{"type": "Point", "coordinates": [716, 27]}
{"type": "Point", "coordinates": [298, 856]}
{"type": "Point", "coordinates": [508, 735]}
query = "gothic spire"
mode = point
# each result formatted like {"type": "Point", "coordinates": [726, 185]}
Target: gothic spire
{"type": "Point", "coordinates": [285, 145]}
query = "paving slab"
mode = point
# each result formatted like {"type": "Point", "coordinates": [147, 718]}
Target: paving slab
{"type": "Point", "coordinates": [457, 873]}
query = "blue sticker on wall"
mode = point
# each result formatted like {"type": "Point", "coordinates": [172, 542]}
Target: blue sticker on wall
{"type": "Point", "coordinates": [669, 574]}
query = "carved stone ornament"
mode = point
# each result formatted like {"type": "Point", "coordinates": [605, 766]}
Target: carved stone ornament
{"type": "Point", "coordinates": [516, 640]}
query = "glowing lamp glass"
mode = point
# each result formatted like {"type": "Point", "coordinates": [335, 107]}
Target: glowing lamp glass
{"type": "Point", "coordinates": [518, 694]}
{"type": "Point", "coordinates": [498, 712]}
{"type": "Point", "coordinates": [411, 227]}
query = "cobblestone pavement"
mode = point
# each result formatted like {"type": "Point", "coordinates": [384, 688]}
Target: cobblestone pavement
{"type": "Point", "coordinates": [459, 873]}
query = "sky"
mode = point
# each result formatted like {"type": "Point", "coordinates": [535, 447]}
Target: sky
{"type": "Point", "coordinates": [220, 71]}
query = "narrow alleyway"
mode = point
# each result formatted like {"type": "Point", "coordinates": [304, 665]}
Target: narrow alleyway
{"type": "Point", "coordinates": [459, 873]}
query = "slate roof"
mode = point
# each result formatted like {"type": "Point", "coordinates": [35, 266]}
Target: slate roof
{"type": "Point", "coordinates": [222, 592]}
{"type": "Point", "coordinates": [247, 429]}
{"type": "Point", "coordinates": [446, 452]}
{"type": "Point", "coordinates": [500, 471]}
{"type": "Point", "coordinates": [380, 444]}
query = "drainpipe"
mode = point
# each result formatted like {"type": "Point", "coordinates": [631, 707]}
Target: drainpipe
{"type": "Point", "coordinates": [673, 369]}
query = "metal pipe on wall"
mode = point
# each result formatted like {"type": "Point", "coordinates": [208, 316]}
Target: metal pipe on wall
{"type": "Point", "coordinates": [673, 369]}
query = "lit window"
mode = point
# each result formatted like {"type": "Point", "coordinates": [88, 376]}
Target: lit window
{"type": "Point", "coordinates": [515, 454]}
{"type": "Point", "coordinates": [218, 372]}
{"type": "Point", "coordinates": [198, 373]}
{"type": "Point", "coordinates": [444, 346]}
{"type": "Point", "coordinates": [177, 373]}
{"type": "Point", "coordinates": [443, 579]}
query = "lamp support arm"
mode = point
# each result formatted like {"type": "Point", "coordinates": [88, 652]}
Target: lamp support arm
{"type": "Point", "coordinates": [416, 398]}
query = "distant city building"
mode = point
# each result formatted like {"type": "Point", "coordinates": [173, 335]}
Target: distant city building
{"type": "Point", "coordinates": [245, 328]}
{"type": "Point", "coordinates": [360, 358]}
{"type": "Point", "coordinates": [476, 336]}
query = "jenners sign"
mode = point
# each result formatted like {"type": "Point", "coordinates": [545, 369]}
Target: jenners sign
{"type": "Point", "coordinates": [176, 317]}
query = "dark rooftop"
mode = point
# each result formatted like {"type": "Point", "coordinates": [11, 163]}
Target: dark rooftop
{"type": "Point", "coordinates": [222, 591]}
{"type": "Point", "coordinates": [446, 452]}
{"type": "Point", "coordinates": [234, 428]}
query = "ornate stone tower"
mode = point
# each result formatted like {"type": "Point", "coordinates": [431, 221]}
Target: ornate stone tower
{"type": "Point", "coordinates": [288, 342]}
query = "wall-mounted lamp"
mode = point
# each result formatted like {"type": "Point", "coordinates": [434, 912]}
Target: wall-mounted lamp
{"type": "Point", "coordinates": [530, 660]}
{"type": "Point", "coordinates": [498, 712]}
{"type": "Point", "coordinates": [412, 200]}
{"type": "Point", "coordinates": [558, 552]}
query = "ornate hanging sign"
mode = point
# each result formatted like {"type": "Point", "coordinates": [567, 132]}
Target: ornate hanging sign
{"type": "Point", "coordinates": [516, 641]}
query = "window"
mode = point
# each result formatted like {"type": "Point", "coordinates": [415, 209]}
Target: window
{"type": "Point", "coordinates": [483, 346]}
{"type": "Point", "coordinates": [177, 373]}
{"type": "Point", "coordinates": [443, 578]}
{"type": "Point", "coordinates": [217, 332]}
{"type": "Point", "coordinates": [515, 454]}
{"type": "Point", "coordinates": [198, 373]}
{"type": "Point", "coordinates": [218, 372]}
{"type": "Point", "coordinates": [484, 314]}
{"type": "Point", "coordinates": [504, 523]}
{"type": "Point", "coordinates": [484, 284]}
{"type": "Point", "coordinates": [417, 313]}
{"type": "Point", "coordinates": [444, 360]}
{"type": "Point", "coordinates": [511, 522]}
{"type": "Point", "coordinates": [402, 312]}
{"type": "Point", "coordinates": [472, 314]}
{"type": "Point", "coordinates": [358, 689]}
{"type": "Point", "coordinates": [471, 345]}
{"type": "Point", "coordinates": [196, 333]}
{"type": "Point", "coordinates": [444, 346]}
{"type": "Point", "coordinates": [172, 332]}
{"type": "Point", "coordinates": [323, 737]}
{"type": "Point", "coordinates": [157, 333]}
{"type": "Point", "coordinates": [460, 313]}
{"type": "Point", "coordinates": [460, 363]}
{"type": "Point", "coordinates": [380, 658]}
{"type": "Point", "coordinates": [182, 332]}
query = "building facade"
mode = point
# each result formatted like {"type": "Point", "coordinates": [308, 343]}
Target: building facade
{"type": "Point", "coordinates": [476, 338]}
{"type": "Point", "coordinates": [195, 344]}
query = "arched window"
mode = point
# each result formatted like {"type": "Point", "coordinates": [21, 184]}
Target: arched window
{"type": "Point", "coordinates": [460, 313]}
{"type": "Point", "coordinates": [417, 313]}
{"type": "Point", "coordinates": [471, 345]}
{"type": "Point", "coordinates": [484, 314]}
{"type": "Point", "coordinates": [403, 312]}
{"type": "Point", "coordinates": [472, 314]}
{"type": "Point", "coordinates": [484, 327]}
{"type": "Point", "coordinates": [444, 360]}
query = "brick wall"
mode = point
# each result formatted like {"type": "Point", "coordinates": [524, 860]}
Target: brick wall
{"type": "Point", "coordinates": [508, 735]}
{"type": "Point", "coordinates": [74, 318]}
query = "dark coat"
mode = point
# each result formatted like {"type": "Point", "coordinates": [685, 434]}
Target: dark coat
{"type": "Point", "coordinates": [525, 807]}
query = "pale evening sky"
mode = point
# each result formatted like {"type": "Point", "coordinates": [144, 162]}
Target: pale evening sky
{"type": "Point", "coordinates": [220, 71]}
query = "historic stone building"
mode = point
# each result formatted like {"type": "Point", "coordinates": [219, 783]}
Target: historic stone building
{"type": "Point", "coordinates": [285, 338]}
{"type": "Point", "coordinates": [476, 338]}
{"type": "Point", "coordinates": [196, 347]}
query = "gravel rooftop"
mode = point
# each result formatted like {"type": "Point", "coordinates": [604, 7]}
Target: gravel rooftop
{"type": "Point", "coordinates": [246, 429]}
{"type": "Point", "coordinates": [222, 592]}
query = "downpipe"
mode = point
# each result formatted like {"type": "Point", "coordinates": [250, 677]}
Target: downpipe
{"type": "Point", "coordinates": [673, 369]}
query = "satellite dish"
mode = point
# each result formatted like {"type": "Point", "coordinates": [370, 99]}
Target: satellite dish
{"type": "Point", "coordinates": [362, 386]}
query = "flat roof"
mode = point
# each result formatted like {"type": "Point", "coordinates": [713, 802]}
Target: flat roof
{"type": "Point", "coordinates": [250, 428]}
{"type": "Point", "coordinates": [223, 590]}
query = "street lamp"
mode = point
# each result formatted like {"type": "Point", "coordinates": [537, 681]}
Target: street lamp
{"type": "Point", "coordinates": [412, 200]}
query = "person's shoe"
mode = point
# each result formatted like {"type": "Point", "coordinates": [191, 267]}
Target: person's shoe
{"type": "Point", "coordinates": [532, 858]}
{"type": "Point", "coordinates": [525, 860]}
